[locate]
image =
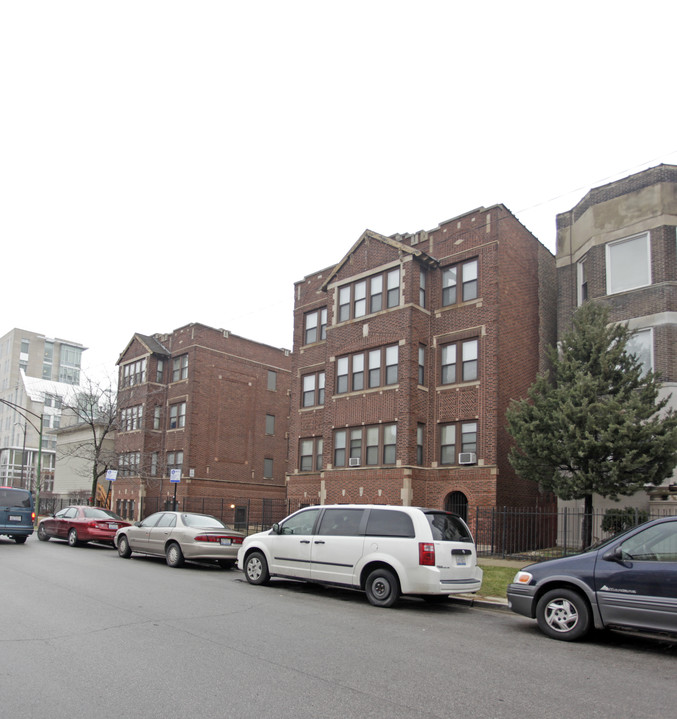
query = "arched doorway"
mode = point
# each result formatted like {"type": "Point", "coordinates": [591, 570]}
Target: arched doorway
{"type": "Point", "coordinates": [457, 503]}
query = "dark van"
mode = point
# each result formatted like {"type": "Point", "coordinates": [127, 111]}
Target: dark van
{"type": "Point", "coordinates": [17, 513]}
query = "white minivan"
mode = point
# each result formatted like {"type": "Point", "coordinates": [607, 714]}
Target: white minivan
{"type": "Point", "coordinates": [383, 550]}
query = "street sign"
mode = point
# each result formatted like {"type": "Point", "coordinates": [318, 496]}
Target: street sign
{"type": "Point", "coordinates": [111, 475]}
{"type": "Point", "coordinates": [175, 475]}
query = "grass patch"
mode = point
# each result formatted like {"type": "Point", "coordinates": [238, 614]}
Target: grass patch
{"type": "Point", "coordinates": [495, 580]}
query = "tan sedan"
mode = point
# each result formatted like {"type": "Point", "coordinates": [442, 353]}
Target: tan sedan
{"type": "Point", "coordinates": [179, 537]}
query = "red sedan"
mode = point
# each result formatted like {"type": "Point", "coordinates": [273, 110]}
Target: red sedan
{"type": "Point", "coordinates": [80, 524]}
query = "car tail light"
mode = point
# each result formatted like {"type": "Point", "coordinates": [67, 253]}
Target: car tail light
{"type": "Point", "coordinates": [426, 554]}
{"type": "Point", "coordinates": [217, 538]}
{"type": "Point", "coordinates": [33, 517]}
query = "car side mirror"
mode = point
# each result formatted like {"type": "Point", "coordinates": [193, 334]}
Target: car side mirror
{"type": "Point", "coordinates": [137, 524]}
{"type": "Point", "coordinates": [275, 528]}
{"type": "Point", "coordinates": [613, 555]}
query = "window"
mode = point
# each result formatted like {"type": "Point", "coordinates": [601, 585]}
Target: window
{"type": "Point", "coordinates": [372, 445]}
{"type": "Point", "coordinates": [421, 364]}
{"type": "Point", "coordinates": [153, 464]}
{"type": "Point", "coordinates": [267, 468]}
{"type": "Point", "coordinates": [133, 373]}
{"type": "Point", "coordinates": [128, 464]}
{"type": "Point", "coordinates": [391, 356]}
{"type": "Point", "coordinates": [467, 431]}
{"type": "Point", "coordinates": [177, 416]}
{"type": "Point", "coordinates": [380, 366]}
{"type": "Point", "coordinates": [160, 371]}
{"type": "Point", "coordinates": [389, 523]}
{"type": "Point", "coordinates": [420, 433]}
{"type": "Point", "coordinates": [270, 424]}
{"type": "Point", "coordinates": [315, 326]}
{"type": "Point", "coordinates": [463, 276]}
{"type": "Point", "coordinates": [341, 522]}
{"type": "Point", "coordinates": [654, 544]}
{"type": "Point", "coordinates": [641, 345]}
{"type": "Point", "coordinates": [157, 417]}
{"type": "Point", "coordinates": [422, 281]}
{"type": "Point", "coordinates": [174, 461]}
{"type": "Point", "coordinates": [367, 295]}
{"type": "Point", "coordinates": [272, 380]}
{"type": "Point", "coordinates": [582, 281]}
{"type": "Point", "coordinates": [310, 454]}
{"type": "Point", "coordinates": [312, 389]}
{"type": "Point", "coordinates": [360, 299]}
{"type": "Point", "coordinates": [376, 294]}
{"type": "Point", "coordinates": [131, 418]}
{"type": "Point", "coordinates": [69, 365]}
{"type": "Point", "coordinates": [469, 354]}
{"type": "Point", "coordinates": [628, 264]}
{"type": "Point", "coordinates": [179, 368]}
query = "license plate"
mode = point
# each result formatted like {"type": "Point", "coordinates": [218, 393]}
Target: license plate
{"type": "Point", "coordinates": [225, 541]}
{"type": "Point", "coordinates": [460, 562]}
{"type": "Point", "coordinates": [14, 518]}
{"type": "Point", "coordinates": [112, 526]}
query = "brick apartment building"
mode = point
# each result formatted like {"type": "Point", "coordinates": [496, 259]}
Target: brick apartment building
{"type": "Point", "coordinates": [617, 246]}
{"type": "Point", "coordinates": [208, 403]}
{"type": "Point", "coordinates": [406, 355]}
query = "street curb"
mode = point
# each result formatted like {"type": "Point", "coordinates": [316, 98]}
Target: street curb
{"type": "Point", "coordinates": [481, 603]}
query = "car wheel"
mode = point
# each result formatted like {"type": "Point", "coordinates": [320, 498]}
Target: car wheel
{"type": "Point", "coordinates": [226, 563]}
{"type": "Point", "coordinates": [563, 614]}
{"type": "Point", "coordinates": [382, 588]}
{"type": "Point", "coordinates": [174, 555]}
{"type": "Point", "coordinates": [42, 534]}
{"type": "Point", "coordinates": [256, 569]}
{"type": "Point", "coordinates": [20, 540]}
{"type": "Point", "coordinates": [124, 550]}
{"type": "Point", "coordinates": [73, 537]}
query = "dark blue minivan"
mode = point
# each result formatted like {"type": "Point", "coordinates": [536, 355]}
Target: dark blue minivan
{"type": "Point", "coordinates": [17, 513]}
{"type": "Point", "coordinates": [628, 582]}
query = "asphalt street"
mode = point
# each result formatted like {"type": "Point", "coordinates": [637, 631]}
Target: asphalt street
{"type": "Point", "coordinates": [84, 633]}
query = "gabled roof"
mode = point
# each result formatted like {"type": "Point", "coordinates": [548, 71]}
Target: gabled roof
{"type": "Point", "coordinates": [395, 244]}
{"type": "Point", "coordinates": [150, 343]}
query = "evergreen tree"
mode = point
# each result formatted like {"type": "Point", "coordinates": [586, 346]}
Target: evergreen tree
{"type": "Point", "coordinates": [594, 424]}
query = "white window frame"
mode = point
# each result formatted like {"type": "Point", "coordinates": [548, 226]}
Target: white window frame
{"type": "Point", "coordinates": [646, 282]}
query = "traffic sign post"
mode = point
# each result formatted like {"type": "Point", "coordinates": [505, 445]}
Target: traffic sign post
{"type": "Point", "coordinates": [111, 476]}
{"type": "Point", "coordinates": [175, 478]}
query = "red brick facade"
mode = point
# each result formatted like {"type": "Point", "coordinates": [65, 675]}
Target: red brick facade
{"type": "Point", "coordinates": [508, 317]}
{"type": "Point", "coordinates": [220, 399]}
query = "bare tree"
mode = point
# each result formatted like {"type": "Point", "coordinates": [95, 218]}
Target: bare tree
{"type": "Point", "coordinates": [94, 406]}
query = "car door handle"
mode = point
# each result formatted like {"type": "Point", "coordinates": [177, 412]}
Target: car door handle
{"type": "Point", "coordinates": [319, 541]}
{"type": "Point", "coordinates": [305, 541]}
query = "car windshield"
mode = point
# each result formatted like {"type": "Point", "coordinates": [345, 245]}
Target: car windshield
{"type": "Point", "coordinates": [448, 527]}
{"type": "Point", "coordinates": [202, 521]}
{"type": "Point", "coordinates": [99, 513]}
{"type": "Point", "coordinates": [603, 542]}
{"type": "Point", "coordinates": [14, 497]}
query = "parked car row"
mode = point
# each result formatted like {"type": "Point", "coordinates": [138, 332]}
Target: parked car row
{"type": "Point", "coordinates": [627, 582]}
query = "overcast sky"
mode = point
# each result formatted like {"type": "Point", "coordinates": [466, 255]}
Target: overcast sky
{"type": "Point", "coordinates": [165, 162]}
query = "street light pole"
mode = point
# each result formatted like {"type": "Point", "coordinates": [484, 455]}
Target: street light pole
{"type": "Point", "coordinates": [22, 411]}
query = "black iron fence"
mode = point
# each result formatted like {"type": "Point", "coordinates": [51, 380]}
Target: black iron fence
{"type": "Point", "coordinates": [504, 532]}
{"type": "Point", "coordinates": [536, 534]}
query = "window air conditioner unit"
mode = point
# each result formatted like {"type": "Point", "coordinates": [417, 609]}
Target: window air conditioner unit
{"type": "Point", "coordinates": [354, 462]}
{"type": "Point", "coordinates": [467, 458]}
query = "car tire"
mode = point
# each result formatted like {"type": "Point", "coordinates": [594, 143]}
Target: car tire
{"type": "Point", "coordinates": [382, 588]}
{"type": "Point", "coordinates": [563, 614]}
{"type": "Point", "coordinates": [174, 555]}
{"type": "Point", "coordinates": [226, 563]}
{"type": "Point", "coordinates": [73, 540]}
{"type": "Point", "coordinates": [256, 569]}
{"type": "Point", "coordinates": [20, 540]}
{"type": "Point", "coordinates": [124, 550]}
{"type": "Point", "coordinates": [42, 534]}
